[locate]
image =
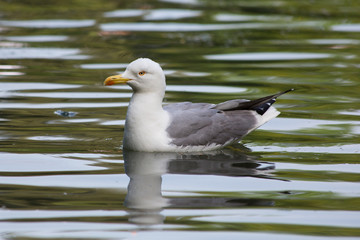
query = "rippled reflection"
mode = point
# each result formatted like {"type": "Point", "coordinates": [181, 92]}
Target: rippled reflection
{"type": "Point", "coordinates": [145, 170]}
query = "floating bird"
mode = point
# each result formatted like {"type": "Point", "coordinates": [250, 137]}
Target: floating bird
{"type": "Point", "coordinates": [185, 126]}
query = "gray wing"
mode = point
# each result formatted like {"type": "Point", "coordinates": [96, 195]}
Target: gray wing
{"type": "Point", "coordinates": [195, 124]}
{"type": "Point", "coordinates": [203, 123]}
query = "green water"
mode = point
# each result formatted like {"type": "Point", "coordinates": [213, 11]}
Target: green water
{"type": "Point", "coordinates": [62, 177]}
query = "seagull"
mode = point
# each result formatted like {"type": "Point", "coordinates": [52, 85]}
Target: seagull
{"type": "Point", "coordinates": [184, 126]}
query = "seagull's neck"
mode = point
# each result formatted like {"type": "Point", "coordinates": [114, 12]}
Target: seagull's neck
{"type": "Point", "coordinates": [146, 122]}
{"type": "Point", "coordinates": [146, 103]}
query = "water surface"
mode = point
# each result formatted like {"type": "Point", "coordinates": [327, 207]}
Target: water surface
{"type": "Point", "coordinates": [63, 173]}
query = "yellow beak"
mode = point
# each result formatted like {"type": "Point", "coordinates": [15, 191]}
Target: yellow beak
{"type": "Point", "coordinates": [117, 79]}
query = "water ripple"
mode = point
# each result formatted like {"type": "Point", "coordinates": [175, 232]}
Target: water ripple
{"type": "Point", "coordinates": [36, 38]}
{"type": "Point", "coordinates": [18, 86]}
{"type": "Point", "coordinates": [42, 53]}
{"type": "Point", "coordinates": [300, 217]}
{"type": "Point", "coordinates": [338, 149]}
{"type": "Point", "coordinates": [174, 27]}
{"type": "Point", "coordinates": [48, 23]}
{"type": "Point", "coordinates": [155, 14]}
{"type": "Point", "coordinates": [227, 17]}
{"type": "Point", "coordinates": [59, 105]}
{"type": "Point", "coordinates": [103, 65]}
{"type": "Point", "coordinates": [267, 56]}
{"type": "Point", "coordinates": [34, 162]}
{"type": "Point", "coordinates": [355, 27]}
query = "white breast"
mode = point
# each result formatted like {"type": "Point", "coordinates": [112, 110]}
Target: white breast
{"type": "Point", "coordinates": [146, 124]}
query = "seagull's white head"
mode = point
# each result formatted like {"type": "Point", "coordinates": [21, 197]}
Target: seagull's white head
{"type": "Point", "coordinates": [142, 75]}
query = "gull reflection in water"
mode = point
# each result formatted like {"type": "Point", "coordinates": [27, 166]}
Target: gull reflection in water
{"type": "Point", "coordinates": [144, 199]}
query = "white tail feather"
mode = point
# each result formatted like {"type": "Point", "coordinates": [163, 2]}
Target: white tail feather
{"type": "Point", "coordinates": [267, 116]}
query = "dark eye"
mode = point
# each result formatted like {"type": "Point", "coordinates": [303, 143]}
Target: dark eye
{"type": "Point", "coordinates": [142, 73]}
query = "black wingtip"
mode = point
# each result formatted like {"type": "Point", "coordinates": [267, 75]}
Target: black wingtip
{"type": "Point", "coordinates": [264, 105]}
{"type": "Point", "coordinates": [260, 105]}
{"type": "Point", "coordinates": [286, 91]}
{"type": "Point", "coordinates": [289, 90]}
